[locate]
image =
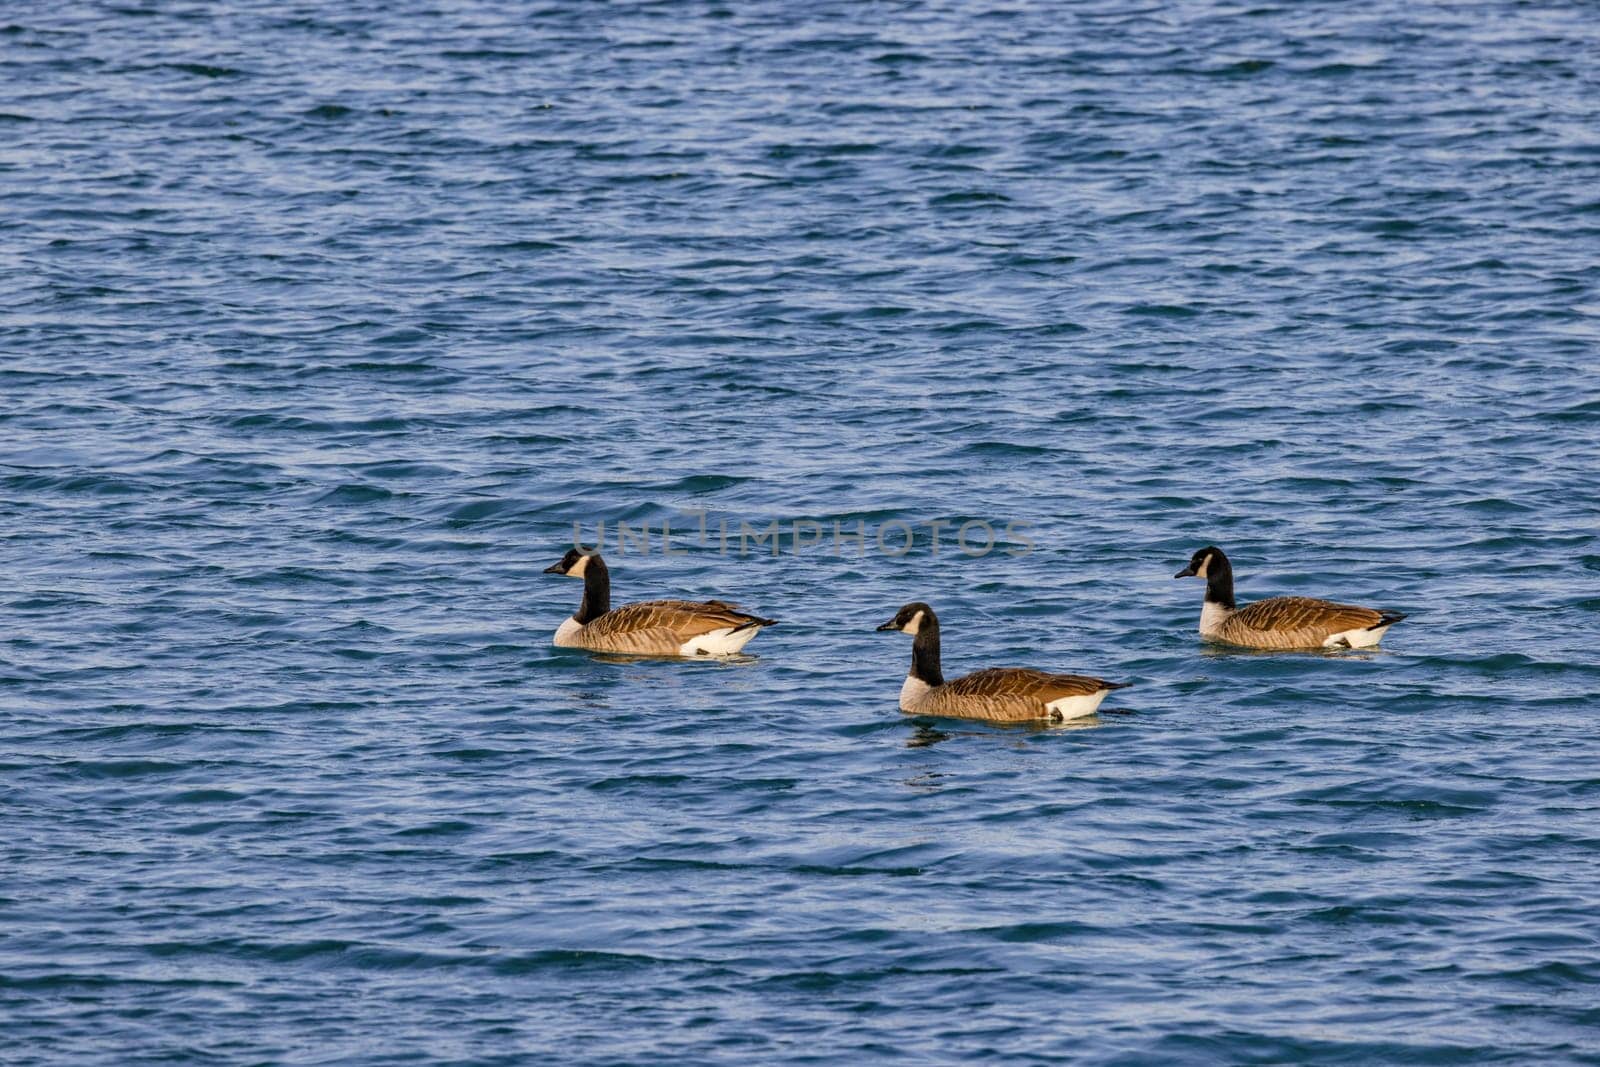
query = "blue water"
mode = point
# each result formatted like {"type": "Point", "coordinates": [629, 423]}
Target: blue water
{"type": "Point", "coordinates": [322, 324]}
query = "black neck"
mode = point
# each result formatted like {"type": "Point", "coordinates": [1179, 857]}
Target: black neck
{"type": "Point", "coordinates": [925, 653]}
{"type": "Point", "coordinates": [1219, 581]}
{"type": "Point", "coordinates": [596, 591]}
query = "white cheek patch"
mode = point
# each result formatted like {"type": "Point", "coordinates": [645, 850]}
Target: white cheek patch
{"type": "Point", "coordinates": [579, 567]}
{"type": "Point", "coordinates": [1205, 565]}
{"type": "Point", "coordinates": [914, 627]}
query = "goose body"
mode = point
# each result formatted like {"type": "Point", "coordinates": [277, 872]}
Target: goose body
{"type": "Point", "coordinates": [997, 694]}
{"type": "Point", "coordinates": [687, 628]}
{"type": "Point", "coordinates": [1280, 623]}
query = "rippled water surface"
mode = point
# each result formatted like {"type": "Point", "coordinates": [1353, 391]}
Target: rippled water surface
{"type": "Point", "coordinates": [323, 323]}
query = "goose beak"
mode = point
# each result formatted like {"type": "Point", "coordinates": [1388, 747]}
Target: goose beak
{"type": "Point", "coordinates": [887, 626]}
{"type": "Point", "coordinates": [1187, 572]}
{"type": "Point", "coordinates": [554, 568]}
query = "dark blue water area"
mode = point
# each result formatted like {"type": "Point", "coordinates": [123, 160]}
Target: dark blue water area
{"type": "Point", "coordinates": [322, 324]}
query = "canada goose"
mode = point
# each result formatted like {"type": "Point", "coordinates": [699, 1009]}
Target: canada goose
{"type": "Point", "coordinates": [1283, 622]}
{"type": "Point", "coordinates": [999, 694]}
{"type": "Point", "coordinates": [650, 627]}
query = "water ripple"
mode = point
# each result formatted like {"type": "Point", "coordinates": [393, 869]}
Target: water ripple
{"type": "Point", "coordinates": [323, 328]}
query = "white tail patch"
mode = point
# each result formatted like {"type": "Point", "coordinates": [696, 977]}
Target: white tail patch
{"type": "Point", "coordinates": [1077, 707]}
{"type": "Point", "coordinates": [1359, 638]}
{"type": "Point", "coordinates": [724, 642]}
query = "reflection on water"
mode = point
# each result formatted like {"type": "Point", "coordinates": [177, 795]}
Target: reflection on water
{"type": "Point", "coordinates": [929, 780]}
{"type": "Point", "coordinates": [735, 660]}
{"type": "Point", "coordinates": [1213, 651]}
{"type": "Point", "coordinates": [924, 733]}
{"type": "Point", "coordinates": [1083, 722]}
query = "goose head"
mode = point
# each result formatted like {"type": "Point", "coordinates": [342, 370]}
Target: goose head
{"type": "Point", "coordinates": [911, 619]}
{"type": "Point", "coordinates": [573, 564]}
{"type": "Point", "coordinates": [1201, 563]}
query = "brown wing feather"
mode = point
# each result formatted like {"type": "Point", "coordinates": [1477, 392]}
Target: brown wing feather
{"type": "Point", "coordinates": [661, 626]}
{"type": "Point", "coordinates": [1295, 621]}
{"type": "Point", "coordinates": [1009, 694]}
